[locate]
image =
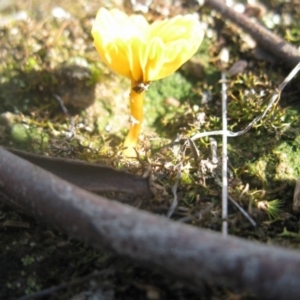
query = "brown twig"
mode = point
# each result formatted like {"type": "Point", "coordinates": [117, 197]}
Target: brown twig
{"type": "Point", "coordinates": [188, 253]}
{"type": "Point", "coordinates": [267, 40]}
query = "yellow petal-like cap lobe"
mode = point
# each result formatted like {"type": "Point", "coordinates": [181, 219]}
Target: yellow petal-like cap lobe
{"type": "Point", "coordinates": [144, 52]}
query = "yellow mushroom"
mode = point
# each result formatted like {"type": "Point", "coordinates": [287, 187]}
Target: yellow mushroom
{"type": "Point", "coordinates": [143, 52]}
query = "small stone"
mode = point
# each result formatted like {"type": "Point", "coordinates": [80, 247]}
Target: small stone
{"type": "Point", "coordinates": [7, 119]}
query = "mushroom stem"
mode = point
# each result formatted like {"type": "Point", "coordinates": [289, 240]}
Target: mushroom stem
{"type": "Point", "coordinates": [136, 110]}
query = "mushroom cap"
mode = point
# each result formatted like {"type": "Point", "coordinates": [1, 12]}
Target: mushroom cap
{"type": "Point", "coordinates": [144, 52]}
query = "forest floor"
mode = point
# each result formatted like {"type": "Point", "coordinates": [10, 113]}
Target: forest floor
{"type": "Point", "coordinates": [47, 55]}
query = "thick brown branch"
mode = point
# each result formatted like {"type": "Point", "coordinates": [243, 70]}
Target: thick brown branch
{"type": "Point", "coordinates": [186, 252]}
{"type": "Point", "coordinates": [267, 40]}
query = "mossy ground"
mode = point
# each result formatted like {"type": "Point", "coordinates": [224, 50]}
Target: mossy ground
{"type": "Point", "coordinates": [45, 60]}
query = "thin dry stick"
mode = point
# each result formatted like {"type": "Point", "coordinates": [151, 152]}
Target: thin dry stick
{"type": "Point", "coordinates": [213, 149]}
{"type": "Point", "coordinates": [224, 158]}
{"type": "Point", "coordinates": [174, 191]}
{"type": "Point", "coordinates": [267, 40]}
{"type": "Point", "coordinates": [188, 253]}
{"type": "Point", "coordinates": [275, 97]}
{"type": "Point", "coordinates": [246, 215]}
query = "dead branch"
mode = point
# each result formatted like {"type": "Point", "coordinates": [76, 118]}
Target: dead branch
{"type": "Point", "coordinates": [95, 178]}
{"type": "Point", "coordinates": [267, 40]}
{"type": "Point", "coordinates": [188, 253]}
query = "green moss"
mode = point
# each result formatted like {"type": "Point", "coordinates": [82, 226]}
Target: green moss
{"type": "Point", "coordinates": [33, 285]}
{"type": "Point", "coordinates": [166, 102]}
{"type": "Point", "coordinates": [186, 177]}
{"type": "Point", "coordinates": [29, 136]}
{"type": "Point", "coordinates": [288, 160]}
{"type": "Point", "coordinates": [27, 260]}
{"type": "Point", "coordinates": [174, 86]}
{"type": "Point", "coordinates": [19, 133]}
